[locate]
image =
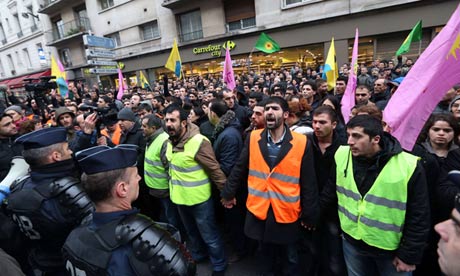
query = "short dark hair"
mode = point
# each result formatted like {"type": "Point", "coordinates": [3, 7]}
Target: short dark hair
{"type": "Point", "coordinates": [312, 85]}
{"type": "Point", "coordinates": [256, 95]}
{"type": "Point", "coordinates": [160, 99]}
{"type": "Point", "coordinates": [370, 124]}
{"type": "Point", "coordinates": [219, 107]}
{"type": "Point", "coordinates": [99, 186]}
{"type": "Point", "coordinates": [278, 100]}
{"type": "Point", "coordinates": [174, 107]}
{"type": "Point", "coordinates": [343, 78]}
{"type": "Point", "coordinates": [153, 121]}
{"type": "Point", "coordinates": [145, 106]}
{"type": "Point", "coordinates": [364, 86]}
{"type": "Point", "coordinates": [325, 109]}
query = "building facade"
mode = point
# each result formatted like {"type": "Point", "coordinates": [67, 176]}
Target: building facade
{"type": "Point", "coordinates": [144, 31]}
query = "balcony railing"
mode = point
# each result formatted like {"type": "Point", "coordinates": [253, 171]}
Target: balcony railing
{"type": "Point", "coordinates": [53, 6]}
{"type": "Point", "coordinates": [69, 29]}
{"type": "Point", "coordinates": [191, 36]}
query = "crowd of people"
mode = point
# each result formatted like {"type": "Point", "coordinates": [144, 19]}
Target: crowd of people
{"type": "Point", "coordinates": [151, 182]}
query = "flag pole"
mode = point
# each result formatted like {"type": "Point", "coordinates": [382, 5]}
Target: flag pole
{"type": "Point", "coordinates": [419, 47]}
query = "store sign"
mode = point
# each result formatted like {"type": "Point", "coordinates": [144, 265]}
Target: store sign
{"type": "Point", "coordinates": [215, 50]}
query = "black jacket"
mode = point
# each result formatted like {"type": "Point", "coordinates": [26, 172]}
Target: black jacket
{"type": "Point", "coordinates": [417, 221]}
{"type": "Point", "coordinates": [269, 230]}
{"type": "Point", "coordinates": [8, 149]}
{"type": "Point", "coordinates": [227, 141]}
{"type": "Point", "coordinates": [447, 189]}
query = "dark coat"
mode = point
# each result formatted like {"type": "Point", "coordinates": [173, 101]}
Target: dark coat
{"type": "Point", "coordinates": [447, 189]}
{"type": "Point", "coordinates": [8, 149]}
{"type": "Point", "coordinates": [417, 220]}
{"type": "Point", "coordinates": [227, 142]}
{"type": "Point", "coordinates": [269, 230]}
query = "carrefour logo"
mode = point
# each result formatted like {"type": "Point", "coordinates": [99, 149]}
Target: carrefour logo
{"type": "Point", "coordinates": [215, 49]}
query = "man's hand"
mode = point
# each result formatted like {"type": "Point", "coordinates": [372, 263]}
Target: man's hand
{"type": "Point", "coordinates": [90, 123]}
{"type": "Point", "coordinates": [228, 203]}
{"type": "Point", "coordinates": [102, 141]}
{"type": "Point", "coordinates": [402, 266]}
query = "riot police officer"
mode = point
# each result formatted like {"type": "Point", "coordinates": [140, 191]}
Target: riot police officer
{"type": "Point", "coordinates": [118, 240]}
{"type": "Point", "coordinates": [49, 202]}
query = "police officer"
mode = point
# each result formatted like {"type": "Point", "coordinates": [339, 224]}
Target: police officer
{"type": "Point", "coordinates": [118, 240]}
{"type": "Point", "coordinates": [49, 203]}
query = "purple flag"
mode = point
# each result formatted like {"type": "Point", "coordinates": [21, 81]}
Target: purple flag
{"type": "Point", "coordinates": [434, 73]}
{"type": "Point", "coordinates": [227, 75]}
{"type": "Point", "coordinates": [121, 85]}
{"type": "Point", "coordinates": [348, 99]}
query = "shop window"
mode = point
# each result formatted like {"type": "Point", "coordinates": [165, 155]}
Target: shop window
{"type": "Point", "coordinates": [242, 24]}
{"type": "Point", "coordinates": [105, 4]}
{"type": "Point", "coordinates": [190, 26]}
{"type": "Point", "coordinates": [116, 38]}
{"type": "Point", "coordinates": [150, 30]}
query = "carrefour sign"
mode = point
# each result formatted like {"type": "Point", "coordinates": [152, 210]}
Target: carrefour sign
{"type": "Point", "coordinates": [214, 49]}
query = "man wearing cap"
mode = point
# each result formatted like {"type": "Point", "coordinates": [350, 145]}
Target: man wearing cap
{"type": "Point", "coordinates": [49, 203]}
{"type": "Point", "coordinates": [65, 118]}
{"type": "Point", "coordinates": [131, 128]}
{"type": "Point", "coordinates": [118, 240]}
{"type": "Point", "coordinates": [192, 168]}
{"type": "Point", "coordinates": [15, 111]}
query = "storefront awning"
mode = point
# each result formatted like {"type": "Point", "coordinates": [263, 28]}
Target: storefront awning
{"type": "Point", "coordinates": [18, 82]}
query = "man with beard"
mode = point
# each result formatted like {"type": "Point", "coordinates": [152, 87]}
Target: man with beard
{"type": "Point", "coordinates": [65, 118]}
{"type": "Point", "coordinates": [282, 192]}
{"type": "Point", "coordinates": [49, 203]}
{"type": "Point", "coordinates": [8, 132]}
{"type": "Point", "coordinates": [192, 168]}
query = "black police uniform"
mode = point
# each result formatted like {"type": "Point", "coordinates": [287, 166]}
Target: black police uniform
{"type": "Point", "coordinates": [125, 243]}
{"type": "Point", "coordinates": [122, 242]}
{"type": "Point", "coordinates": [48, 204]}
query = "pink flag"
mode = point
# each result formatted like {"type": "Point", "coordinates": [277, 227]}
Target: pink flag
{"type": "Point", "coordinates": [434, 73]}
{"type": "Point", "coordinates": [228, 76]}
{"type": "Point", "coordinates": [348, 99]}
{"type": "Point", "coordinates": [120, 85]}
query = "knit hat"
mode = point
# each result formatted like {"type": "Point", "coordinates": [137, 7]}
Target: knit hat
{"type": "Point", "coordinates": [126, 114]}
{"type": "Point", "coordinates": [16, 108]}
{"type": "Point", "coordinates": [63, 110]}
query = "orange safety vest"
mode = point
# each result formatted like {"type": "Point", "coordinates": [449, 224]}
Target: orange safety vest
{"type": "Point", "coordinates": [279, 187]}
{"type": "Point", "coordinates": [115, 136]}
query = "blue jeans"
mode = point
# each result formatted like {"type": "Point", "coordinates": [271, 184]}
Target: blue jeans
{"type": "Point", "coordinates": [363, 263]}
{"type": "Point", "coordinates": [171, 214]}
{"type": "Point", "coordinates": [204, 237]}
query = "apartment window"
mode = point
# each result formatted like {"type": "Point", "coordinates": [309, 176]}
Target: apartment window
{"type": "Point", "coordinates": [2, 70]}
{"type": "Point", "coordinates": [2, 35]}
{"type": "Point", "coordinates": [18, 58]}
{"type": "Point", "coordinates": [26, 56]}
{"type": "Point", "coordinates": [287, 3]}
{"type": "Point", "coordinates": [190, 26]}
{"type": "Point", "coordinates": [58, 31]}
{"type": "Point", "coordinates": [8, 25]}
{"type": "Point", "coordinates": [18, 24]}
{"type": "Point", "coordinates": [64, 55]}
{"type": "Point", "coordinates": [105, 4]}
{"type": "Point", "coordinates": [11, 64]}
{"type": "Point", "coordinates": [150, 30]}
{"type": "Point", "coordinates": [242, 24]}
{"type": "Point", "coordinates": [116, 38]}
{"type": "Point", "coordinates": [239, 14]}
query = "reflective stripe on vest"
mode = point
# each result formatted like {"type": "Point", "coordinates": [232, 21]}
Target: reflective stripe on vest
{"type": "Point", "coordinates": [278, 188]}
{"type": "Point", "coordinates": [189, 183]}
{"type": "Point", "coordinates": [154, 172]}
{"type": "Point", "coordinates": [378, 217]}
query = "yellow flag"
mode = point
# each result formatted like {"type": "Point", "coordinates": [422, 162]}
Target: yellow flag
{"type": "Point", "coordinates": [57, 70]}
{"type": "Point", "coordinates": [174, 62]}
{"type": "Point", "coordinates": [143, 80]}
{"type": "Point", "coordinates": [331, 71]}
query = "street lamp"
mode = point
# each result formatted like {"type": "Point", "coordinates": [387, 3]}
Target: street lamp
{"type": "Point", "coordinates": [26, 15]}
